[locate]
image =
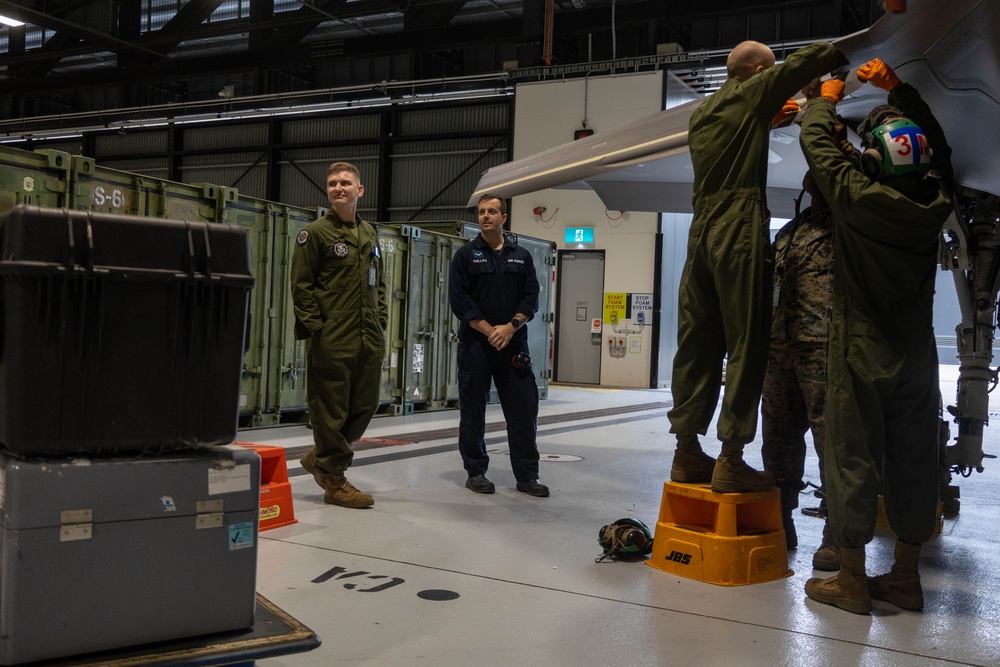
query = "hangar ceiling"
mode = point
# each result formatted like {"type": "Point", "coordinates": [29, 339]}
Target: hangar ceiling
{"type": "Point", "coordinates": [84, 55]}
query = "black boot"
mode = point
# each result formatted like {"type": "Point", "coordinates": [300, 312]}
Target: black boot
{"type": "Point", "coordinates": [791, 539]}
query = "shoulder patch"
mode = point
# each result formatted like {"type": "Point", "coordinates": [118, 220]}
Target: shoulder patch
{"type": "Point", "coordinates": [302, 237]}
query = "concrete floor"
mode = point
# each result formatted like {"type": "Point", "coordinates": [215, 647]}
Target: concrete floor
{"type": "Point", "coordinates": [434, 574]}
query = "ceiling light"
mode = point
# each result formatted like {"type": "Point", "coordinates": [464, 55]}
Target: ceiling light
{"type": "Point", "coordinates": [11, 22]}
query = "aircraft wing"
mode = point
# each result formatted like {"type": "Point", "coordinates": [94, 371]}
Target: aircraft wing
{"type": "Point", "coordinates": [623, 151]}
{"type": "Point", "coordinates": [948, 50]}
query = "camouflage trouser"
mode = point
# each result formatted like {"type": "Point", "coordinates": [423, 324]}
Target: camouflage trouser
{"type": "Point", "coordinates": [792, 403]}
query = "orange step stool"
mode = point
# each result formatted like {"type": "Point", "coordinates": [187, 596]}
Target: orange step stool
{"type": "Point", "coordinates": [728, 539]}
{"type": "Point", "coordinates": [276, 508]}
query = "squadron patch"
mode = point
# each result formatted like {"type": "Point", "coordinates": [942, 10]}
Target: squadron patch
{"type": "Point", "coordinates": [340, 249]}
{"type": "Point", "coordinates": [302, 237]}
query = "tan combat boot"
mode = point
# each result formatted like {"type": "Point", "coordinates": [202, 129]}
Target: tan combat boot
{"type": "Point", "coordinates": [308, 462]}
{"type": "Point", "coordinates": [733, 475]}
{"type": "Point", "coordinates": [337, 490]}
{"type": "Point", "coordinates": [848, 589]}
{"type": "Point", "coordinates": [901, 584]}
{"type": "Point", "coordinates": [691, 465]}
{"type": "Point", "coordinates": [341, 492]}
{"type": "Point", "coordinates": [827, 557]}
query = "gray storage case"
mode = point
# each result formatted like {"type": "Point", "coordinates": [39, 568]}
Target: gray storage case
{"type": "Point", "coordinates": [104, 553]}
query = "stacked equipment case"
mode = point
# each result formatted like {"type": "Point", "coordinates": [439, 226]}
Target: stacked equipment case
{"type": "Point", "coordinates": [125, 515]}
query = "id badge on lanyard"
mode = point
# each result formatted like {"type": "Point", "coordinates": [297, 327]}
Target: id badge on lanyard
{"type": "Point", "coordinates": [372, 270]}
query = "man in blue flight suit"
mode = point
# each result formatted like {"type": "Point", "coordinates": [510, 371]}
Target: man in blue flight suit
{"type": "Point", "coordinates": [494, 292]}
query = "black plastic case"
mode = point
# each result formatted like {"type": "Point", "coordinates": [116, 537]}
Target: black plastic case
{"type": "Point", "coordinates": [119, 333]}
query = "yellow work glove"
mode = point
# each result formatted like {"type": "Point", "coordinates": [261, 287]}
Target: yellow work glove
{"type": "Point", "coordinates": [787, 113]}
{"type": "Point", "coordinates": [878, 74]}
{"type": "Point", "coordinates": [832, 89]}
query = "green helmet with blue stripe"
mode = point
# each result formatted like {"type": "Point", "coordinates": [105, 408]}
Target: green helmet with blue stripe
{"type": "Point", "coordinates": [893, 144]}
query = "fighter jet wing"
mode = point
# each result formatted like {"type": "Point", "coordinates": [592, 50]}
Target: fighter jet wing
{"type": "Point", "coordinates": [948, 51]}
{"type": "Point", "coordinates": [624, 149]}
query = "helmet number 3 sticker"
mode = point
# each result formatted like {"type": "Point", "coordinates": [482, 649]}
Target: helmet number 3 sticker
{"type": "Point", "coordinates": [908, 146]}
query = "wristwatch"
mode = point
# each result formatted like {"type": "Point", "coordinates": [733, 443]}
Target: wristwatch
{"type": "Point", "coordinates": [516, 323]}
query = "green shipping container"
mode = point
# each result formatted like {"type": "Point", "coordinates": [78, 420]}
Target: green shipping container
{"type": "Point", "coordinates": [394, 244]}
{"type": "Point", "coordinates": [38, 177]}
{"type": "Point", "coordinates": [104, 190]}
{"type": "Point", "coordinates": [429, 350]}
{"type": "Point", "coordinates": [273, 389]}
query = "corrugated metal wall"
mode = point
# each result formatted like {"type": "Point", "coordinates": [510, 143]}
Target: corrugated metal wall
{"type": "Point", "coordinates": [141, 142]}
{"type": "Point", "coordinates": [423, 169]}
{"type": "Point", "coordinates": [417, 163]}
{"type": "Point", "coordinates": [484, 118]}
{"type": "Point", "coordinates": [209, 137]}
{"type": "Point", "coordinates": [330, 129]}
{"type": "Point", "coordinates": [242, 170]}
{"type": "Point", "coordinates": [432, 179]}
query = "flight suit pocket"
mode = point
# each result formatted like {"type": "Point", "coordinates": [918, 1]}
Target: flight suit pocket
{"type": "Point", "coordinates": [869, 353]}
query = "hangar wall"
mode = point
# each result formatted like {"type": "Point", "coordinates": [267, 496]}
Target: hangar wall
{"type": "Point", "coordinates": [547, 114]}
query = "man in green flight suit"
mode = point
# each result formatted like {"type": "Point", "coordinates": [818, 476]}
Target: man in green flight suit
{"type": "Point", "coordinates": [725, 290]}
{"type": "Point", "coordinates": [339, 297]}
{"type": "Point", "coordinates": [883, 398]}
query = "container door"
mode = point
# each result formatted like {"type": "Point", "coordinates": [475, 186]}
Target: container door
{"type": "Point", "coordinates": [286, 363]}
{"type": "Point", "coordinates": [422, 285]}
{"type": "Point", "coordinates": [539, 332]}
{"type": "Point", "coordinates": [579, 306]}
{"type": "Point", "coordinates": [259, 219]}
{"type": "Point", "coordinates": [394, 247]}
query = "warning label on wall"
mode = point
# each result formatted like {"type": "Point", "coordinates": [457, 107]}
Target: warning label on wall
{"type": "Point", "coordinates": [626, 306]}
{"type": "Point", "coordinates": [641, 310]}
{"type": "Point", "coordinates": [615, 307]}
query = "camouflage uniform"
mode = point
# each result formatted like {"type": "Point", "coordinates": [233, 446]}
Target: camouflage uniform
{"type": "Point", "coordinates": [795, 381]}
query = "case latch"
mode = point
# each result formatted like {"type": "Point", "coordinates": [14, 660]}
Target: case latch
{"type": "Point", "coordinates": [209, 513]}
{"type": "Point", "coordinates": [76, 525]}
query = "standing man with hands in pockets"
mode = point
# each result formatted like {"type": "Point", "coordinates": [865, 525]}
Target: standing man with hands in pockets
{"type": "Point", "coordinates": [493, 291]}
{"type": "Point", "coordinates": [339, 297]}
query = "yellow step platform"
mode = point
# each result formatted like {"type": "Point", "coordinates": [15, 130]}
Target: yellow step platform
{"type": "Point", "coordinates": [728, 539]}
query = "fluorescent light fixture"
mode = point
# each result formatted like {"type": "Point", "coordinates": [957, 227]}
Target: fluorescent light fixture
{"type": "Point", "coordinates": [9, 21]}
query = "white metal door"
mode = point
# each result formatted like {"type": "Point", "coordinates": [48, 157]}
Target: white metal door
{"type": "Point", "coordinates": [579, 302]}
